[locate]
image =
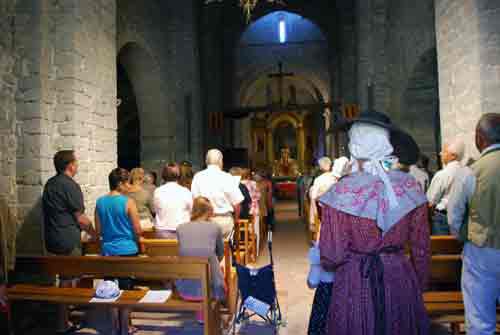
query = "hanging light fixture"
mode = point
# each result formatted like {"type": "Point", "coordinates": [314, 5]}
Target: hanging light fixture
{"type": "Point", "coordinates": [249, 5]}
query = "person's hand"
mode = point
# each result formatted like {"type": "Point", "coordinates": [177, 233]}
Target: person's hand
{"type": "Point", "coordinates": [142, 248]}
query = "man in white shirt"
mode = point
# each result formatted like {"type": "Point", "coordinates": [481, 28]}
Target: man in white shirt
{"type": "Point", "coordinates": [221, 189]}
{"type": "Point", "coordinates": [172, 202]}
{"type": "Point", "coordinates": [441, 184]}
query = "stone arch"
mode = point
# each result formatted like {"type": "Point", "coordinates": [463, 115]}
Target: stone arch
{"type": "Point", "coordinates": [421, 104]}
{"type": "Point", "coordinates": [143, 73]}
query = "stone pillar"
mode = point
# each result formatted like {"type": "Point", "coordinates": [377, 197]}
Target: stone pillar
{"type": "Point", "coordinates": [372, 26]}
{"type": "Point", "coordinates": [184, 40]}
{"type": "Point", "coordinates": [8, 140]}
{"type": "Point", "coordinates": [65, 100]}
{"type": "Point", "coordinates": [468, 49]}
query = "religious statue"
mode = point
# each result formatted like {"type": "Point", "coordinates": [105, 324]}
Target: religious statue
{"type": "Point", "coordinates": [285, 166]}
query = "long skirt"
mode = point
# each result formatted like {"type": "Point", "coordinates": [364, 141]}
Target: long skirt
{"type": "Point", "coordinates": [319, 311]}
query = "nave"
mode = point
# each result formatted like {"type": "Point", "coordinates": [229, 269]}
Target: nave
{"type": "Point", "coordinates": [290, 247]}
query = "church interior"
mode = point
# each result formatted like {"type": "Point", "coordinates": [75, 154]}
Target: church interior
{"type": "Point", "coordinates": [144, 83]}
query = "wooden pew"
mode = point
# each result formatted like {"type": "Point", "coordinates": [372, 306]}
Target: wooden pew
{"type": "Point", "coordinates": [444, 302]}
{"type": "Point", "coordinates": [445, 245]}
{"type": "Point", "coordinates": [158, 268]}
{"type": "Point", "coordinates": [156, 247]}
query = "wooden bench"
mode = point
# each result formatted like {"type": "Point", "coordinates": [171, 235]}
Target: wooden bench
{"type": "Point", "coordinates": [154, 247]}
{"type": "Point", "coordinates": [444, 302]}
{"type": "Point", "coordinates": [445, 245]}
{"type": "Point", "coordinates": [157, 247]}
{"type": "Point", "coordinates": [158, 268]}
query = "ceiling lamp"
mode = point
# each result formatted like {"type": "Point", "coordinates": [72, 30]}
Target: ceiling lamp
{"type": "Point", "coordinates": [249, 5]}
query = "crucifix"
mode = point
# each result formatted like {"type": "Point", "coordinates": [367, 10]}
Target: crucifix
{"type": "Point", "coordinates": [281, 76]}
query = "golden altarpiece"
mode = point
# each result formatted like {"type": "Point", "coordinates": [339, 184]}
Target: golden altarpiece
{"type": "Point", "coordinates": [283, 142]}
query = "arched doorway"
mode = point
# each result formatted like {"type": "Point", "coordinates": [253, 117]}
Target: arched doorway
{"type": "Point", "coordinates": [421, 105]}
{"type": "Point", "coordinates": [142, 124]}
{"type": "Point", "coordinates": [129, 133]}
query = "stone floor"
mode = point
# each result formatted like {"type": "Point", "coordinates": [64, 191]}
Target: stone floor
{"type": "Point", "coordinates": [290, 246]}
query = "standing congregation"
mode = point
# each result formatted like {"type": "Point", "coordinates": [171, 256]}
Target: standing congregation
{"type": "Point", "coordinates": [372, 209]}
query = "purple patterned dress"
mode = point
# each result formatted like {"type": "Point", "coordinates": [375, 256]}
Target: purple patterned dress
{"type": "Point", "coordinates": [377, 288]}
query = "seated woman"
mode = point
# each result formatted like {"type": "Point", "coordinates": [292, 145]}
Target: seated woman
{"type": "Point", "coordinates": [117, 222]}
{"type": "Point", "coordinates": [201, 238]}
{"type": "Point", "coordinates": [143, 198]}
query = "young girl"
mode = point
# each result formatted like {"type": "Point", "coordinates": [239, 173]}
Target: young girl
{"type": "Point", "coordinates": [201, 238]}
{"type": "Point", "coordinates": [323, 282]}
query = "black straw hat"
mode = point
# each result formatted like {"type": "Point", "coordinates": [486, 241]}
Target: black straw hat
{"type": "Point", "coordinates": [405, 147]}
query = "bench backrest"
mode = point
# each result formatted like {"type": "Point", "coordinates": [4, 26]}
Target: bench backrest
{"type": "Point", "coordinates": [445, 245]}
{"type": "Point", "coordinates": [152, 247]}
{"type": "Point", "coordinates": [445, 270]}
{"type": "Point", "coordinates": [161, 247]}
{"type": "Point", "coordinates": [106, 266]}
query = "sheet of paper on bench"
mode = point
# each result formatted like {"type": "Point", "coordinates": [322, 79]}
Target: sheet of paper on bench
{"type": "Point", "coordinates": [156, 297]}
{"type": "Point", "coordinates": [103, 300]}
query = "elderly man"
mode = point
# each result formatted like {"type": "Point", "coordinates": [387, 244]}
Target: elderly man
{"type": "Point", "coordinates": [221, 189]}
{"type": "Point", "coordinates": [440, 187]}
{"type": "Point", "coordinates": [474, 216]}
{"type": "Point", "coordinates": [172, 202]}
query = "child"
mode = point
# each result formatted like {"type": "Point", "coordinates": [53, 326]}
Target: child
{"type": "Point", "coordinates": [323, 282]}
{"type": "Point", "coordinates": [201, 238]}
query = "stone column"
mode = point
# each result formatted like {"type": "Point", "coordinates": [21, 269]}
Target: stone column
{"type": "Point", "coordinates": [65, 100]}
{"type": "Point", "coordinates": [468, 49]}
{"type": "Point", "coordinates": [372, 27]}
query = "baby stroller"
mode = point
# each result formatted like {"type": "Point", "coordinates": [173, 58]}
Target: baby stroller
{"type": "Point", "coordinates": [257, 293]}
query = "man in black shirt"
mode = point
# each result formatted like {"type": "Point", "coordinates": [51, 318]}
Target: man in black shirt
{"type": "Point", "coordinates": [63, 211]}
{"type": "Point", "coordinates": [63, 208]}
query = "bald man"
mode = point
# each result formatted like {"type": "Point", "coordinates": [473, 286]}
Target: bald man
{"type": "Point", "coordinates": [474, 216]}
{"type": "Point", "coordinates": [221, 189]}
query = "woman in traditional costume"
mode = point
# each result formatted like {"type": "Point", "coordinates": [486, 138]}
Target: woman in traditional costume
{"type": "Point", "coordinates": [368, 219]}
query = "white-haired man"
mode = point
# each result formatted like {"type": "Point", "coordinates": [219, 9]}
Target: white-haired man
{"type": "Point", "coordinates": [221, 189]}
{"type": "Point", "coordinates": [439, 190]}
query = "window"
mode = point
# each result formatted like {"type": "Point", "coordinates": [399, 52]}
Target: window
{"type": "Point", "coordinates": [282, 30]}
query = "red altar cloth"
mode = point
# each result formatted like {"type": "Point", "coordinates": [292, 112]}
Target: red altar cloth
{"type": "Point", "coordinates": [286, 189]}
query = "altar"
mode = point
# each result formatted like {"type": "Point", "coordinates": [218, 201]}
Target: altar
{"type": "Point", "coordinates": [283, 144]}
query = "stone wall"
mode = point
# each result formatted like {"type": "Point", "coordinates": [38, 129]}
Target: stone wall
{"type": "Point", "coordinates": [158, 47]}
{"type": "Point", "coordinates": [396, 55]}
{"type": "Point", "coordinates": [412, 82]}
{"type": "Point", "coordinates": [371, 53]}
{"type": "Point", "coordinates": [468, 48]}
{"type": "Point", "coordinates": [8, 140]}
{"type": "Point", "coordinates": [66, 100]}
